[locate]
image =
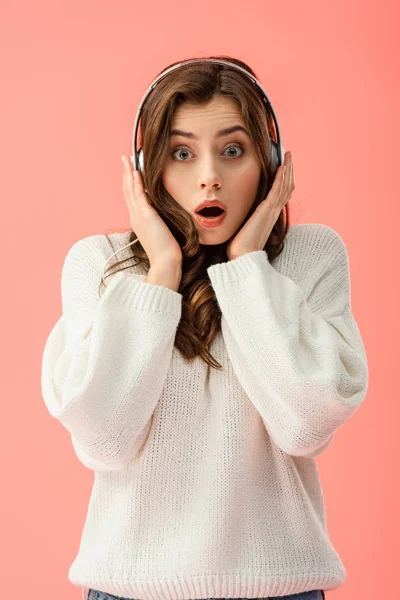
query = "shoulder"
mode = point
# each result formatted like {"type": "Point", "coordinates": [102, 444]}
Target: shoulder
{"type": "Point", "coordinates": [310, 250]}
{"type": "Point", "coordinates": [86, 263]}
{"type": "Point", "coordinates": [314, 243]}
{"type": "Point", "coordinates": [88, 260]}
{"type": "Point", "coordinates": [96, 246]}
{"type": "Point", "coordinates": [91, 252]}
{"type": "Point", "coordinates": [319, 235]}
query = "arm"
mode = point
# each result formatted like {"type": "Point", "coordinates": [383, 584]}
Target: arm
{"type": "Point", "coordinates": [300, 359]}
{"type": "Point", "coordinates": [106, 359]}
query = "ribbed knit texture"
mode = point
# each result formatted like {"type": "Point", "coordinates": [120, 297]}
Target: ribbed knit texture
{"type": "Point", "coordinates": [205, 481]}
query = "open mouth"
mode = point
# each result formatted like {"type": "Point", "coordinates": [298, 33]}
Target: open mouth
{"type": "Point", "coordinates": [210, 216]}
{"type": "Point", "coordinates": [210, 212]}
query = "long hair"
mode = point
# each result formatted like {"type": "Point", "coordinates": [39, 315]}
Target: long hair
{"type": "Point", "coordinates": [199, 82]}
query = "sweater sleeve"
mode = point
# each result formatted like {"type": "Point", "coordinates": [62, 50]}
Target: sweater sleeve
{"type": "Point", "coordinates": [106, 359]}
{"type": "Point", "coordinates": [296, 349]}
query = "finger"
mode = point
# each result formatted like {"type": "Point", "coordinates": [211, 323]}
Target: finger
{"type": "Point", "coordinates": [289, 186]}
{"type": "Point", "coordinates": [128, 187]}
{"type": "Point", "coordinates": [280, 180]}
{"type": "Point", "coordinates": [291, 178]}
{"type": "Point", "coordinates": [273, 196]}
{"type": "Point", "coordinates": [128, 174]}
{"type": "Point", "coordinates": [129, 179]}
{"type": "Point", "coordinates": [285, 183]}
{"type": "Point", "coordinates": [275, 191]}
{"type": "Point", "coordinates": [287, 176]}
{"type": "Point", "coordinates": [127, 195]}
{"type": "Point", "coordinates": [140, 191]}
{"type": "Point", "coordinates": [292, 183]}
{"type": "Point", "coordinates": [289, 172]}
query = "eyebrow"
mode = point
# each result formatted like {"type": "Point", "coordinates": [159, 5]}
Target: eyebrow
{"type": "Point", "coordinates": [220, 133]}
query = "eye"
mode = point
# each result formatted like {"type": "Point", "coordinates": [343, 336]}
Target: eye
{"type": "Point", "coordinates": [184, 149]}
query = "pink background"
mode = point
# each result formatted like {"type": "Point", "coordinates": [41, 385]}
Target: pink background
{"type": "Point", "coordinates": [72, 75]}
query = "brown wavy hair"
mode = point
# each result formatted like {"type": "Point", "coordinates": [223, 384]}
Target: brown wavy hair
{"type": "Point", "coordinates": [199, 82]}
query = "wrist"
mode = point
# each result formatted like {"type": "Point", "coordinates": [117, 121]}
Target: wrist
{"type": "Point", "coordinates": [167, 274]}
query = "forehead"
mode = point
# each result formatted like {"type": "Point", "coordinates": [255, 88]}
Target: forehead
{"type": "Point", "coordinates": [218, 116]}
{"type": "Point", "coordinates": [211, 111]}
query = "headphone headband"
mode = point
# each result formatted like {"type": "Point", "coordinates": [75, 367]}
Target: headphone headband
{"type": "Point", "coordinates": [277, 150]}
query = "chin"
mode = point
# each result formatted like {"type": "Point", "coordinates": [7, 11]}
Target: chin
{"type": "Point", "coordinates": [216, 240]}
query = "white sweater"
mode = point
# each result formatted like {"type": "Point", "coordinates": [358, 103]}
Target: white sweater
{"type": "Point", "coordinates": [205, 482]}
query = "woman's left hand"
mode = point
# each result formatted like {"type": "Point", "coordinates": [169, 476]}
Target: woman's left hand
{"type": "Point", "coordinates": [256, 231]}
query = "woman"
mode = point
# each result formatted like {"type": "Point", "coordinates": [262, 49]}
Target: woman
{"type": "Point", "coordinates": [200, 383]}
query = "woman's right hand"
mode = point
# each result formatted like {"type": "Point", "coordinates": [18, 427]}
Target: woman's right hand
{"type": "Point", "coordinates": [153, 233]}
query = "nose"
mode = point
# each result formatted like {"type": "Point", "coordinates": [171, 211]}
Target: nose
{"type": "Point", "coordinates": [209, 177]}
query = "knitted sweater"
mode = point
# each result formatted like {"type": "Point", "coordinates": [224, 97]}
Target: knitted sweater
{"type": "Point", "coordinates": [205, 481]}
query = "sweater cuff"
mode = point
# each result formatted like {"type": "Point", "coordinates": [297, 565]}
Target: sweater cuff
{"type": "Point", "coordinates": [239, 268]}
{"type": "Point", "coordinates": [131, 289]}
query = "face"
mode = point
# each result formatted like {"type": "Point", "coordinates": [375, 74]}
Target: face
{"type": "Point", "coordinates": [204, 165]}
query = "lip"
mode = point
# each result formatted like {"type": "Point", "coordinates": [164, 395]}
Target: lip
{"type": "Point", "coordinates": [209, 223]}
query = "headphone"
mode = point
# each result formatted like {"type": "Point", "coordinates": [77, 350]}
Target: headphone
{"type": "Point", "coordinates": [277, 151]}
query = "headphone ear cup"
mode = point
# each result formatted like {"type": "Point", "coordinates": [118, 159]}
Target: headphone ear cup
{"type": "Point", "coordinates": [274, 158]}
{"type": "Point", "coordinates": [140, 160]}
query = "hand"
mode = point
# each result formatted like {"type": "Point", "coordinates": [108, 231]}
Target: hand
{"type": "Point", "coordinates": [153, 233]}
{"type": "Point", "coordinates": [256, 231]}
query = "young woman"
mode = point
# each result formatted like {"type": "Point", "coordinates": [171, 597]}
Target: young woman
{"type": "Point", "coordinates": [203, 374]}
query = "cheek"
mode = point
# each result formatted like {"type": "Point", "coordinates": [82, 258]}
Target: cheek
{"type": "Point", "coordinates": [247, 181]}
{"type": "Point", "coordinates": [165, 177]}
{"type": "Point", "coordinates": [175, 186]}
{"type": "Point", "coordinates": [171, 181]}
{"type": "Point", "coordinates": [167, 181]}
